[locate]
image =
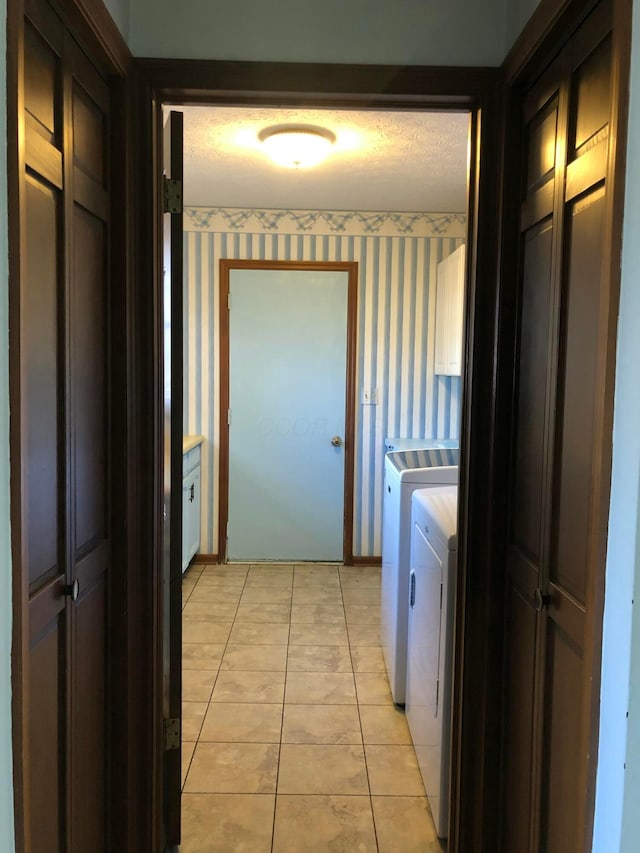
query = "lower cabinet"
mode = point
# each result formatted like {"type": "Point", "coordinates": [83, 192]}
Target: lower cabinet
{"type": "Point", "coordinates": [190, 506]}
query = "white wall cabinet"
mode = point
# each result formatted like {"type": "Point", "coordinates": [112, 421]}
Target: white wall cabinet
{"type": "Point", "coordinates": [190, 505]}
{"type": "Point", "coordinates": [449, 314]}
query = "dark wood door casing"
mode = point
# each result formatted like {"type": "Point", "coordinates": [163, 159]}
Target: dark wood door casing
{"type": "Point", "coordinates": [351, 268]}
{"type": "Point", "coordinates": [476, 715]}
{"type": "Point", "coordinates": [172, 442]}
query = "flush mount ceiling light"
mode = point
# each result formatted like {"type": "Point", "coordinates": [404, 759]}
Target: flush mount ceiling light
{"type": "Point", "coordinates": [297, 146]}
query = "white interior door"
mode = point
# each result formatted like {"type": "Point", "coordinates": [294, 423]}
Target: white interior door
{"type": "Point", "coordinates": [287, 391]}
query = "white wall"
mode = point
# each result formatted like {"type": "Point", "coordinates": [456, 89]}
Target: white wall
{"type": "Point", "coordinates": [120, 11]}
{"type": "Point", "coordinates": [428, 32]}
{"type": "Point", "coordinates": [617, 825]}
{"type": "Point", "coordinates": [6, 768]}
{"type": "Point", "coordinates": [518, 13]}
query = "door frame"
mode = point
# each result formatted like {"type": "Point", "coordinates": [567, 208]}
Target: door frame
{"type": "Point", "coordinates": [351, 268]}
{"type": "Point", "coordinates": [482, 469]}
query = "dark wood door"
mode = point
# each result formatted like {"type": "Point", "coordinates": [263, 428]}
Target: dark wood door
{"type": "Point", "coordinates": [172, 336]}
{"type": "Point", "coordinates": [555, 553]}
{"type": "Point", "coordinates": [64, 428]}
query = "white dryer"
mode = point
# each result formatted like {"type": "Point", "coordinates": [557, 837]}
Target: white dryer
{"type": "Point", "coordinates": [391, 444]}
{"type": "Point", "coordinates": [404, 472]}
{"type": "Point", "coordinates": [432, 584]}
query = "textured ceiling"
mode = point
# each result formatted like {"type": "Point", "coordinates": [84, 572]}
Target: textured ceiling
{"type": "Point", "coordinates": [406, 161]}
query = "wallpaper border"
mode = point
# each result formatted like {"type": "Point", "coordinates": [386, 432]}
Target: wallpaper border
{"type": "Point", "coordinates": [353, 223]}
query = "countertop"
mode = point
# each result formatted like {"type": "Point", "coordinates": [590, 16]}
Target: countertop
{"type": "Point", "coordinates": [191, 441]}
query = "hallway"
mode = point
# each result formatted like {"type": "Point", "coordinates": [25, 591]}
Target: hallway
{"type": "Point", "coordinates": [290, 738]}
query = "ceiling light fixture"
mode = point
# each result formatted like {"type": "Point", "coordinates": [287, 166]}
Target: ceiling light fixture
{"type": "Point", "coordinates": [297, 146]}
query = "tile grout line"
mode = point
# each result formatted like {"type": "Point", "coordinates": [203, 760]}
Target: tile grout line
{"type": "Point", "coordinates": [215, 681]}
{"type": "Point", "coordinates": [364, 751]}
{"type": "Point", "coordinates": [284, 694]}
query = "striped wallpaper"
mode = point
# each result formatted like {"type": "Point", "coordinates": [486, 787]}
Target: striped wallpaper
{"type": "Point", "coordinates": [396, 313]}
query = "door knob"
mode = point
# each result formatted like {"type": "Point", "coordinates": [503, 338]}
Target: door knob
{"type": "Point", "coordinates": [541, 600]}
{"type": "Point", "coordinates": [336, 441]}
{"type": "Point", "coordinates": [72, 590]}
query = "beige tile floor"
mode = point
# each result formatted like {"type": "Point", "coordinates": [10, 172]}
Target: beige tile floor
{"type": "Point", "coordinates": [291, 741]}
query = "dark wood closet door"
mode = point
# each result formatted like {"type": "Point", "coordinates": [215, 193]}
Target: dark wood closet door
{"type": "Point", "coordinates": [554, 554]}
{"type": "Point", "coordinates": [65, 429]}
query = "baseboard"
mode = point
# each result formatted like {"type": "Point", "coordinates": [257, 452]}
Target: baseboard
{"type": "Point", "coordinates": [200, 559]}
{"type": "Point", "coordinates": [367, 561]}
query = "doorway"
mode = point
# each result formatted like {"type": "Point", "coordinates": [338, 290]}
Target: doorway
{"type": "Point", "coordinates": [398, 392]}
{"type": "Point", "coordinates": [371, 214]}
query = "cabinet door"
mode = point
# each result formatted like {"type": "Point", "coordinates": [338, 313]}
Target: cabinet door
{"type": "Point", "coordinates": [186, 505]}
{"type": "Point", "coordinates": [442, 320]}
{"type": "Point", "coordinates": [455, 308]}
{"type": "Point", "coordinates": [190, 516]}
{"type": "Point", "coordinates": [449, 314]}
{"type": "Point", "coordinates": [193, 524]}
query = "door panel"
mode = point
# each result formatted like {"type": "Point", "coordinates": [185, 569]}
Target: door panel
{"type": "Point", "coordinates": [577, 396]}
{"type": "Point", "coordinates": [287, 394]}
{"type": "Point", "coordinates": [47, 764]}
{"type": "Point", "coordinates": [542, 147]}
{"type": "Point", "coordinates": [41, 82]}
{"type": "Point", "coordinates": [89, 451]}
{"type": "Point", "coordinates": [532, 390]}
{"type": "Point", "coordinates": [89, 696]}
{"type": "Point", "coordinates": [592, 96]}
{"type": "Point", "coordinates": [40, 345]}
{"type": "Point", "coordinates": [90, 446]}
{"type": "Point", "coordinates": [563, 800]}
{"type": "Point", "coordinates": [519, 731]}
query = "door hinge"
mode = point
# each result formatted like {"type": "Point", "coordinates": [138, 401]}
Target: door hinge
{"type": "Point", "coordinates": [171, 733]}
{"type": "Point", "coordinates": [228, 302]}
{"type": "Point", "coordinates": [228, 417]}
{"type": "Point", "coordinates": [172, 196]}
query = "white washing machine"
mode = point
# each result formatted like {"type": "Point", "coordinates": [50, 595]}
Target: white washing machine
{"type": "Point", "coordinates": [432, 594]}
{"type": "Point", "coordinates": [404, 472]}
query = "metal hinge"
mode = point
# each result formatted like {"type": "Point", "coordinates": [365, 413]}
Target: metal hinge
{"type": "Point", "coordinates": [172, 196]}
{"type": "Point", "coordinates": [228, 302]}
{"type": "Point", "coordinates": [228, 417]}
{"type": "Point", "coordinates": [171, 733]}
